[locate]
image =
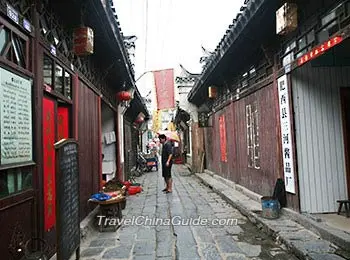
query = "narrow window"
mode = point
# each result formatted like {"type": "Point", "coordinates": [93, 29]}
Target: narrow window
{"type": "Point", "coordinates": [253, 146]}
{"type": "Point", "coordinates": [59, 79]}
{"type": "Point", "coordinates": [4, 39]}
{"type": "Point", "coordinates": [67, 85]}
{"type": "Point", "coordinates": [48, 71]}
{"type": "Point", "coordinates": [15, 180]}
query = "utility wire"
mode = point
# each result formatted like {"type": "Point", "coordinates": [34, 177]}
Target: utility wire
{"type": "Point", "coordinates": [159, 32]}
{"type": "Point", "coordinates": [146, 36]}
{"type": "Point", "coordinates": [166, 33]}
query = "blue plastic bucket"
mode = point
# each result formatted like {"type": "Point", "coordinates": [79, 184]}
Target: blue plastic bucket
{"type": "Point", "coordinates": [270, 207]}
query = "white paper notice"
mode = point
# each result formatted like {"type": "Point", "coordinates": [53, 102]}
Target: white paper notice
{"type": "Point", "coordinates": [15, 118]}
{"type": "Point", "coordinates": [286, 134]}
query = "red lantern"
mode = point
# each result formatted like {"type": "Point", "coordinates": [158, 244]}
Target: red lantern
{"type": "Point", "coordinates": [123, 96]}
{"type": "Point", "coordinates": [139, 120]}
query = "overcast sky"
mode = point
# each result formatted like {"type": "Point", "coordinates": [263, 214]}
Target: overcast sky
{"type": "Point", "coordinates": [175, 31]}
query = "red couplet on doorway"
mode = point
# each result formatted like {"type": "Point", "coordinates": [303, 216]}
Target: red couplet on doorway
{"type": "Point", "coordinates": [49, 163]}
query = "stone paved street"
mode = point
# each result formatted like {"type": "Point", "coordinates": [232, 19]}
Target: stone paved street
{"type": "Point", "coordinates": [178, 238]}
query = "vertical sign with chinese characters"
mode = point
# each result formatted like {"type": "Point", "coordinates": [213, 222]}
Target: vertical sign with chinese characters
{"type": "Point", "coordinates": [222, 128]}
{"type": "Point", "coordinates": [49, 163]}
{"type": "Point", "coordinates": [286, 134]}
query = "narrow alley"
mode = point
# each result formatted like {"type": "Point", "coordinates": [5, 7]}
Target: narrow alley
{"type": "Point", "coordinates": [177, 239]}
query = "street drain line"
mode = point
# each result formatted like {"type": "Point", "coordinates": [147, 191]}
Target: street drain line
{"type": "Point", "coordinates": [175, 251]}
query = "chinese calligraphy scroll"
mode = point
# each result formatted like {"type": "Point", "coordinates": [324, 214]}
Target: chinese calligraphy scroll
{"type": "Point", "coordinates": [222, 129]}
{"type": "Point", "coordinates": [49, 163]}
{"type": "Point", "coordinates": [287, 145]}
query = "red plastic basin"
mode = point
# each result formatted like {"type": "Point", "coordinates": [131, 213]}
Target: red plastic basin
{"type": "Point", "coordinates": [134, 189]}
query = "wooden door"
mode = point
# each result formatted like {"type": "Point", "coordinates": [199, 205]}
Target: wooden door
{"type": "Point", "coordinates": [56, 126]}
{"type": "Point", "coordinates": [345, 96]}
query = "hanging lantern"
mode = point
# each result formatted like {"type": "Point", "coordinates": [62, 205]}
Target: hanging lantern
{"type": "Point", "coordinates": [212, 92]}
{"type": "Point", "coordinates": [123, 96]}
{"type": "Point", "coordinates": [139, 120]}
{"type": "Point", "coordinates": [83, 41]}
{"type": "Point", "coordinates": [286, 19]}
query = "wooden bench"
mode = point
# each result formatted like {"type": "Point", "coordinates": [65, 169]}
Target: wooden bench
{"type": "Point", "coordinates": [346, 204]}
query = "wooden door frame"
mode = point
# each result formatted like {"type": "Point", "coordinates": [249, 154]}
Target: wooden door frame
{"type": "Point", "coordinates": [345, 96]}
{"type": "Point", "coordinates": [48, 235]}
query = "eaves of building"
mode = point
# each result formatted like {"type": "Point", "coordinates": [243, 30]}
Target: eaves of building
{"type": "Point", "coordinates": [110, 24]}
{"type": "Point", "coordinates": [246, 26]}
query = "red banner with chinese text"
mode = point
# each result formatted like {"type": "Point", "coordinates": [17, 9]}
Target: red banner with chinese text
{"type": "Point", "coordinates": [222, 129]}
{"type": "Point", "coordinates": [62, 123]}
{"type": "Point", "coordinates": [164, 84]}
{"type": "Point", "coordinates": [49, 163]}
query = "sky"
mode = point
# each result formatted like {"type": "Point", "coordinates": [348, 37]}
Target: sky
{"type": "Point", "coordinates": [171, 32]}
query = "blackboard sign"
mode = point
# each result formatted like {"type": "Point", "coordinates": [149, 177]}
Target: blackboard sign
{"type": "Point", "coordinates": [67, 190]}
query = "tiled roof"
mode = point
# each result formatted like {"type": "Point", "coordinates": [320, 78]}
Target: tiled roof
{"type": "Point", "coordinates": [232, 33]}
{"type": "Point", "coordinates": [186, 76]}
{"type": "Point", "coordinates": [123, 48]}
{"type": "Point", "coordinates": [181, 80]}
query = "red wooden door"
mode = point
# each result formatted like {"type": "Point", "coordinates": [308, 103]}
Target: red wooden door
{"type": "Point", "coordinates": [55, 127]}
{"type": "Point", "coordinates": [62, 122]}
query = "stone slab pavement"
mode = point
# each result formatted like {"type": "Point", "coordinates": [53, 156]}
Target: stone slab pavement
{"type": "Point", "coordinates": [303, 242]}
{"type": "Point", "coordinates": [193, 222]}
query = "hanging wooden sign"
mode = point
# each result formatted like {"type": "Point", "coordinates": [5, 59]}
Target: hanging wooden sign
{"type": "Point", "coordinates": [83, 41]}
{"type": "Point", "coordinates": [286, 19]}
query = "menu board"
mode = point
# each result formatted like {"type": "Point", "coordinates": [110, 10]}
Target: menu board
{"type": "Point", "coordinates": [15, 118]}
{"type": "Point", "coordinates": [67, 192]}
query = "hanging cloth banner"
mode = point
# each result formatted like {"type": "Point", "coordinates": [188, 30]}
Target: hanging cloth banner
{"type": "Point", "coordinates": [164, 84]}
{"type": "Point", "coordinates": [49, 167]}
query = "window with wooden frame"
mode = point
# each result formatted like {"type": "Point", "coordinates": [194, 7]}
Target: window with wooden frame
{"type": "Point", "coordinates": [253, 146]}
{"type": "Point", "coordinates": [57, 79]}
{"type": "Point", "coordinates": [14, 46]}
{"type": "Point", "coordinates": [15, 180]}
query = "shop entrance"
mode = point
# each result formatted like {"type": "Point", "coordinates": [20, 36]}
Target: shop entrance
{"type": "Point", "coordinates": [109, 139]}
{"type": "Point", "coordinates": [56, 126]}
{"type": "Point", "coordinates": [345, 96]}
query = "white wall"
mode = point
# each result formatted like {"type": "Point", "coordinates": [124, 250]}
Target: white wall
{"type": "Point", "coordinates": [184, 104]}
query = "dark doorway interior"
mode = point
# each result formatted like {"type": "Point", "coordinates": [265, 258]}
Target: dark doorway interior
{"type": "Point", "coordinates": [345, 96]}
